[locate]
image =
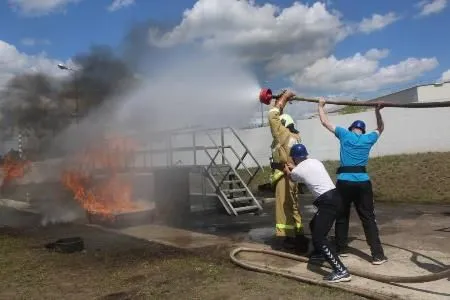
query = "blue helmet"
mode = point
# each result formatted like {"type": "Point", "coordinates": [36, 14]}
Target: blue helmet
{"type": "Point", "coordinates": [358, 124]}
{"type": "Point", "coordinates": [299, 151]}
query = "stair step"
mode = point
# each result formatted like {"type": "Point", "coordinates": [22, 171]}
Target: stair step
{"type": "Point", "coordinates": [240, 199]}
{"type": "Point", "coordinates": [231, 182]}
{"type": "Point", "coordinates": [218, 175]}
{"type": "Point", "coordinates": [229, 191]}
{"type": "Point", "coordinates": [246, 208]}
{"type": "Point", "coordinates": [221, 171]}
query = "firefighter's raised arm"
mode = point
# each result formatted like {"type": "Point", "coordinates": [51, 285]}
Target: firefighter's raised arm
{"type": "Point", "coordinates": [279, 132]}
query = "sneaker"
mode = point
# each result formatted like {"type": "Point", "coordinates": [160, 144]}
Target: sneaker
{"type": "Point", "coordinates": [378, 260]}
{"type": "Point", "coordinates": [338, 276]}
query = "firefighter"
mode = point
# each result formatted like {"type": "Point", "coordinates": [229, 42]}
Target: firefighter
{"type": "Point", "coordinates": [328, 203]}
{"type": "Point", "coordinates": [353, 182]}
{"type": "Point", "coordinates": [288, 220]}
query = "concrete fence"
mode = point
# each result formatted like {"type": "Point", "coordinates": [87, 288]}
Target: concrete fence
{"type": "Point", "coordinates": [406, 131]}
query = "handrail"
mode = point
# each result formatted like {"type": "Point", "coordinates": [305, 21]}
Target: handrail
{"type": "Point", "coordinates": [222, 199]}
{"type": "Point", "coordinates": [236, 173]}
{"type": "Point", "coordinates": [245, 147]}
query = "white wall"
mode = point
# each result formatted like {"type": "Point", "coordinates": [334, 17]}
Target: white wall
{"type": "Point", "coordinates": [432, 93]}
{"type": "Point", "coordinates": [406, 131]}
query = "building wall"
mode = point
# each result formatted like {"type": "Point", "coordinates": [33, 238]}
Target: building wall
{"type": "Point", "coordinates": [404, 96]}
{"type": "Point", "coordinates": [434, 93]}
{"type": "Point", "coordinates": [406, 131]}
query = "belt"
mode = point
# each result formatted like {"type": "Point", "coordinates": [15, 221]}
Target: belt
{"type": "Point", "coordinates": [277, 166]}
{"type": "Point", "coordinates": [351, 169]}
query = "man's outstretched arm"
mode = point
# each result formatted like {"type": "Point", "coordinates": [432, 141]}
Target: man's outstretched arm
{"type": "Point", "coordinates": [324, 118]}
{"type": "Point", "coordinates": [380, 122]}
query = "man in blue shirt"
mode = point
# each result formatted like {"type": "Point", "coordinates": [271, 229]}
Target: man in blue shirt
{"type": "Point", "coordinates": [353, 182]}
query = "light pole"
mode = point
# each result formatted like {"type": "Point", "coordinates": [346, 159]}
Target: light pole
{"type": "Point", "coordinates": [64, 67]}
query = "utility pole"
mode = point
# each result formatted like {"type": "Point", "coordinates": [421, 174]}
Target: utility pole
{"type": "Point", "coordinates": [77, 94]}
{"type": "Point", "coordinates": [262, 115]}
{"type": "Point", "coordinates": [19, 145]}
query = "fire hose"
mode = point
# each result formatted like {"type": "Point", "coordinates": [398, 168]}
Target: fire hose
{"type": "Point", "coordinates": [266, 96]}
{"type": "Point", "coordinates": [355, 290]}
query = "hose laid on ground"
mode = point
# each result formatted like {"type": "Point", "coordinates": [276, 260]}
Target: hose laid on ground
{"type": "Point", "coordinates": [354, 290]}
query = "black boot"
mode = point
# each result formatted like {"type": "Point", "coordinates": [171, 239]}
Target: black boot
{"type": "Point", "coordinates": [302, 243]}
{"type": "Point", "coordinates": [289, 243]}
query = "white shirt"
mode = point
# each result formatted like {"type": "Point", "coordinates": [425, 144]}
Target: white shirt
{"type": "Point", "coordinates": [313, 173]}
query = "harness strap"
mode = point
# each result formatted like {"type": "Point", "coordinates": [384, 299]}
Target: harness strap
{"type": "Point", "coordinates": [351, 169]}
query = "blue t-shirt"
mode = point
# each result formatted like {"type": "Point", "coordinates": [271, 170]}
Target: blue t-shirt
{"type": "Point", "coordinates": [355, 149]}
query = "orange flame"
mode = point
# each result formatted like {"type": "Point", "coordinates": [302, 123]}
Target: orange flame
{"type": "Point", "coordinates": [13, 168]}
{"type": "Point", "coordinates": [107, 196]}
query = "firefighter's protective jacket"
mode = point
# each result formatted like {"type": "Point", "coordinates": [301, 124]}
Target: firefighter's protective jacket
{"type": "Point", "coordinates": [282, 142]}
{"type": "Point", "coordinates": [283, 139]}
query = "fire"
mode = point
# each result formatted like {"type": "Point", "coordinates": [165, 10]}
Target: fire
{"type": "Point", "coordinates": [107, 196]}
{"type": "Point", "coordinates": [13, 168]}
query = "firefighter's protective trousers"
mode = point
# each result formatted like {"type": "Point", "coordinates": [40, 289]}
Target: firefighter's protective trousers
{"type": "Point", "coordinates": [287, 215]}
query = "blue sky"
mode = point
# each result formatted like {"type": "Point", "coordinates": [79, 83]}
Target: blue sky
{"type": "Point", "coordinates": [38, 33]}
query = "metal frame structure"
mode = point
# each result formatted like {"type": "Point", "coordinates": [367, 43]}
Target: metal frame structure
{"type": "Point", "coordinates": [229, 181]}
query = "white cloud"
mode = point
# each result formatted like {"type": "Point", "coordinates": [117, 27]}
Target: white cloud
{"type": "Point", "coordinates": [13, 62]}
{"type": "Point", "coordinates": [34, 42]}
{"type": "Point", "coordinates": [360, 72]}
{"type": "Point", "coordinates": [295, 41]}
{"type": "Point", "coordinates": [445, 76]}
{"type": "Point", "coordinates": [428, 7]}
{"type": "Point", "coordinates": [40, 7]}
{"type": "Point", "coordinates": [118, 4]}
{"type": "Point", "coordinates": [285, 39]}
{"type": "Point", "coordinates": [377, 22]}
{"type": "Point", "coordinates": [376, 54]}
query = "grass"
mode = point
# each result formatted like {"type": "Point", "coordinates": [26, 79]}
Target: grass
{"type": "Point", "coordinates": [121, 267]}
{"type": "Point", "coordinates": [416, 178]}
{"type": "Point", "coordinates": [346, 110]}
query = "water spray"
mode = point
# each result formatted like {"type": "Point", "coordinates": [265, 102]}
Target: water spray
{"type": "Point", "coordinates": [266, 96]}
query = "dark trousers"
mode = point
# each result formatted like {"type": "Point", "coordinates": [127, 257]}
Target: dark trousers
{"type": "Point", "coordinates": [361, 194]}
{"type": "Point", "coordinates": [328, 205]}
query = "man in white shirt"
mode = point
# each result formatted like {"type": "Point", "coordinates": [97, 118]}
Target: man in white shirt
{"type": "Point", "coordinates": [328, 202]}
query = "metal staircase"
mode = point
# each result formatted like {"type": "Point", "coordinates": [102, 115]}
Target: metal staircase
{"type": "Point", "coordinates": [231, 182]}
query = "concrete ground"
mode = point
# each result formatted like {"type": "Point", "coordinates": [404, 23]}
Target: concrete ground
{"type": "Point", "coordinates": [416, 240]}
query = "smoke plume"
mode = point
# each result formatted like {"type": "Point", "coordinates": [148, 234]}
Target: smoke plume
{"type": "Point", "coordinates": [140, 89]}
